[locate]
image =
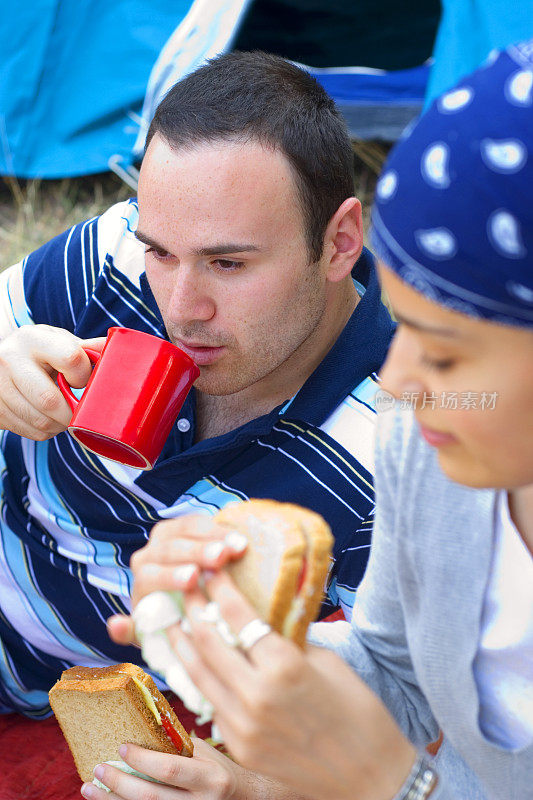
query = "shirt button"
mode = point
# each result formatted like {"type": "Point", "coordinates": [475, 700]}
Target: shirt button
{"type": "Point", "coordinates": [184, 425]}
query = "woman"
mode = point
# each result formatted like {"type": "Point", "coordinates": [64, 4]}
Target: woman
{"type": "Point", "coordinates": [442, 630]}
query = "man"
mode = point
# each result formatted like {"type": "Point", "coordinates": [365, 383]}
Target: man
{"type": "Point", "coordinates": [241, 251]}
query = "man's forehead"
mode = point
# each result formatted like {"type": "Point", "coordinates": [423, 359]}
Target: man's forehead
{"type": "Point", "coordinates": [237, 192]}
{"type": "Point", "coordinates": [244, 154]}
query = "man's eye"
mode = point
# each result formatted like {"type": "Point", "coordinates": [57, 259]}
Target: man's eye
{"type": "Point", "coordinates": [227, 265]}
{"type": "Point", "coordinates": [160, 254]}
{"type": "Point", "coordinates": [439, 364]}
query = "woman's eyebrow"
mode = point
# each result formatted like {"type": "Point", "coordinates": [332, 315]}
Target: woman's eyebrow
{"type": "Point", "coordinates": [435, 330]}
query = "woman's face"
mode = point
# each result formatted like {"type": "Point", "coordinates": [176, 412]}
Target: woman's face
{"type": "Point", "coordinates": [470, 384]}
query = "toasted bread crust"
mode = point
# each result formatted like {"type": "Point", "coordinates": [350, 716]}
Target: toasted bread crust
{"type": "Point", "coordinates": [81, 694]}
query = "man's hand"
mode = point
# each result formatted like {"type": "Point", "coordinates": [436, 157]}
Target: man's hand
{"type": "Point", "coordinates": [31, 403]}
{"type": "Point", "coordinates": [208, 775]}
{"type": "Point", "coordinates": [173, 559]}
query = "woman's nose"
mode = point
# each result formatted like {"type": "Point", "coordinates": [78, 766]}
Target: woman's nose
{"type": "Point", "coordinates": [400, 372]}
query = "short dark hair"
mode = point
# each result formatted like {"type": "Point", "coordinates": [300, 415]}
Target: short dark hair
{"type": "Point", "coordinates": [263, 97]}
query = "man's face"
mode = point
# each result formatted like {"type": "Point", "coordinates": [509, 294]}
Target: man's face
{"type": "Point", "coordinates": [227, 261]}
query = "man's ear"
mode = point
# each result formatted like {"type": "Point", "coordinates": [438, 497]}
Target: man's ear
{"type": "Point", "coordinates": [343, 240]}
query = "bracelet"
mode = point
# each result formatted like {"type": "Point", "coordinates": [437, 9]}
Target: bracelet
{"type": "Point", "coordinates": [420, 783]}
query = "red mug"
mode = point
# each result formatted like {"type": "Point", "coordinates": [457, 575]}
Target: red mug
{"type": "Point", "coordinates": [136, 390]}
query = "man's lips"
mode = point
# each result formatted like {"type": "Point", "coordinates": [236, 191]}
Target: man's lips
{"type": "Point", "coordinates": [436, 438]}
{"type": "Point", "coordinates": [201, 354]}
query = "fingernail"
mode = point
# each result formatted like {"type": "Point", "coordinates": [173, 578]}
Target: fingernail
{"type": "Point", "coordinates": [213, 550]}
{"type": "Point", "coordinates": [184, 651]}
{"type": "Point", "coordinates": [99, 771]}
{"type": "Point", "coordinates": [237, 542]}
{"type": "Point", "coordinates": [88, 790]}
{"type": "Point", "coordinates": [150, 570]}
{"type": "Point", "coordinates": [183, 573]}
{"type": "Point", "coordinates": [123, 751]}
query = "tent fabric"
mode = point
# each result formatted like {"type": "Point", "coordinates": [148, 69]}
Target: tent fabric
{"type": "Point", "coordinates": [376, 103]}
{"type": "Point", "coordinates": [80, 79]}
{"type": "Point", "coordinates": [469, 30]}
{"type": "Point", "coordinates": [377, 34]}
{"type": "Point", "coordinates": [73, 77]}
{"type": "Point", "coordinates": [206, 31]}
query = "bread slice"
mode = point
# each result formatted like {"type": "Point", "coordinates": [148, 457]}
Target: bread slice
{"type": "Point", "coordinates": [98, 709]}
{"type": "Point", "coordinates": [284, 570]}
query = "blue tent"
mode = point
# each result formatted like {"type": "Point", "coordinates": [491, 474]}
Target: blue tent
{"type": "Point", "coordinates": [73, 76]}
{"type": "Point", "coordinates": [80, 78]}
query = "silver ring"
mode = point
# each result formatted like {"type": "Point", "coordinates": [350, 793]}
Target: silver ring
{"type": "Point", "coordinates": [251, 633]}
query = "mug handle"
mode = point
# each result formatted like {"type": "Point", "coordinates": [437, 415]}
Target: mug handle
{"type": "Point", "coordinates": [64, 386]}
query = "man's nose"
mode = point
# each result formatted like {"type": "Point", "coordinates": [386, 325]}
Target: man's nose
{"type": "Point", "coordinates": [400, 372]}
{"type": "Point", "coordinates": [191, 298]}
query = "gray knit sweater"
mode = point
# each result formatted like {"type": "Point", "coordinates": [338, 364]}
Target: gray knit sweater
{"type": "Point", "coordinates": [416, 623]}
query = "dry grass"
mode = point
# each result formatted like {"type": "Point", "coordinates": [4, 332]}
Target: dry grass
{"type": "Point", "coordinates": [32, 212]}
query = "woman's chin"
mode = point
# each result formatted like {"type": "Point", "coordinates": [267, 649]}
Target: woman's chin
{"type": "Point", "coordinates": [478, 474]}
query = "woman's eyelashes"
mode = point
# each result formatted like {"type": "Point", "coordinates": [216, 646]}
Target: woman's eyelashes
{"type": "Point", "coordinates": [438, 364]}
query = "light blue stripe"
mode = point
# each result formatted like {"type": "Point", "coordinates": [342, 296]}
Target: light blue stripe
{"type": "Point", "coordinates": [345, 598]}
{"type": "Point", "coordinates": [14, 689]}
{"type": "Point", "coordinates": [325, 458]}
{"type": "Point", "coordinates": [366, 392]}
{"type": "Point", "coordinates": [39, 608]}
{"type": "Point", "coordinates": [54, 508]}
{"type": "Point", "coordinates": [101, 554]}
{"type": "Point", "coordinates": [67, 282]}
{"type": "Point", "coordinates": [214, 495]}
{"type": "Point", "coordinates": [20, 311]}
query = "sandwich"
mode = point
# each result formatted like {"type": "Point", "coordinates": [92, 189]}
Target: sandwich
{"type": "Point", "coordinates": [98, 709]}
{"type": "Point", "coordinates": [284, 569]}
{"type": "Point", "coordinates": [282, 573]}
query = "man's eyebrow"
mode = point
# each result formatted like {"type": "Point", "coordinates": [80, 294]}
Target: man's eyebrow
{"type": "Point", "coordinates": [435, 330]}
{"type": "Point", "coordinates": [215, 250]}
{"type": "Point", "coordinates": [227, 247]}
{"type": "Point", "coordinates": [142, 237]}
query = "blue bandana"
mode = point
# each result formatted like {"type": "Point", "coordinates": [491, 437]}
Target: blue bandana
{"type": "Point", "coordinates": [453, 212]}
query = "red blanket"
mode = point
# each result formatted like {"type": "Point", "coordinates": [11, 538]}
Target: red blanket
{"type": "Point", "coordinates": [36, 764]}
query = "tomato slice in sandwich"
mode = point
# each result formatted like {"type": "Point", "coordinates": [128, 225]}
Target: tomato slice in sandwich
{"type": "Point", "coordinates": [172, 733]}
{"type": "Point", "coordinates": [301, 576]}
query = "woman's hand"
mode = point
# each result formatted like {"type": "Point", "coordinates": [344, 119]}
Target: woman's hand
{"type": "Point", "coordinates": [208, 775]}
{"type": "Point", "coordinates": [303, 718]}
{"type": "Point", "coordinates": [173, 559]}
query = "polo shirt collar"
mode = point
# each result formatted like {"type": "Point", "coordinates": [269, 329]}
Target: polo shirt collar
{"type": "Point", "coordinates": [359, 351]}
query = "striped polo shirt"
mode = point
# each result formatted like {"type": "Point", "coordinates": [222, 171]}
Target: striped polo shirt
{"type": "Point", "coordinates": [70, 520]}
